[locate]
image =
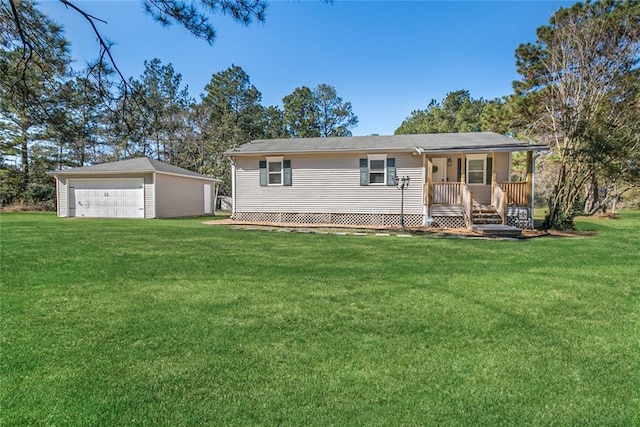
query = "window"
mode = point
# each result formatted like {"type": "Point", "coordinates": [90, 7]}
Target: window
{"type": "Point", "coordinates": [377, 168]}
{"type": "Point", "coordinates": [376, 172]}
{"type": "Point", "coordinates": [274, 166]}
{"type": "Point", "coordinates": [275, 171]}
{"type": "Point", "coordinates": [476, 168]}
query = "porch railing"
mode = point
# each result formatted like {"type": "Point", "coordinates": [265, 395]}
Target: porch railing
{"type": "Point", "coordinates": [500, 202]}
{"type": "Point", "coordinates": [516, 193]}
{"type": "Point", "coordinates": [467, 204]}
{"type": "Point", "coordinates": [446, 193]}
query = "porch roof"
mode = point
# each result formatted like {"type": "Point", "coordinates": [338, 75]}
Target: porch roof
{"type": "Point", "coordinates": [476, 142]}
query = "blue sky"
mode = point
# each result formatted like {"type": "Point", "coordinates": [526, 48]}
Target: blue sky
{"type": "Point", "coordinates": [387, 57]}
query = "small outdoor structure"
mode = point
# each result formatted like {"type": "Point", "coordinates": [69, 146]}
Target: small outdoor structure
{"type": "Point", "coordinates": [457, 180]}
{"type": "Point", "coordinates": [134, 188]}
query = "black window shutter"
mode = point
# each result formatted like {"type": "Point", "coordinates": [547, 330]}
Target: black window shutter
{"type": "Point", "coordinates": [459, 171]}
{"type": "Point", "coordinates": [264, 178]}
{"type": "Point", "coordinates": [391, 171]}
{"type": "Point", "coordinates": [364, 172]}
{"type": "Point", "coordinates": [489, 170]}
{"type": "Point", "coordinates": [286, 169]}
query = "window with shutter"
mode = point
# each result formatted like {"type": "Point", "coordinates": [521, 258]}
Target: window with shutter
{"type": "Point", "coordinates": [377, 169]}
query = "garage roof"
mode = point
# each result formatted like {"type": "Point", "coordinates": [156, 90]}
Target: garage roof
{"type": "Point", "coordinates": [423, 143]}
{"type": "Point", "coordinates": [130, 166]}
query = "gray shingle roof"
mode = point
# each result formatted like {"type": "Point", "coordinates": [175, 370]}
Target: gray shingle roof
{"type": "Point", "coordinates": [432, 142]}
{"type": "Point", "coordinates": [137, 165]}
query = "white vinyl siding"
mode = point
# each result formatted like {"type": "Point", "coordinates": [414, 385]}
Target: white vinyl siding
{"type": "Point", "coordinates": [502, 166]}
{"type": "Point", "coordinates": [149, 201]}
{"type": "Point", "coordinates": [178, 196]}
{"type": "Point", "coordinates": [327, 183]}
{"type": "Point", "coordinates": [63, 200]}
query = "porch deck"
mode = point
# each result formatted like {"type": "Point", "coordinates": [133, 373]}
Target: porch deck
{"type": "Point", "coordinates": [497, 230]}
{"type": "Point", "coordinates": [453, 203]}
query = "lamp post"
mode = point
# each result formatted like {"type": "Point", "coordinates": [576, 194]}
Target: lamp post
{"type": "Point", "coordinates": [402, 184]}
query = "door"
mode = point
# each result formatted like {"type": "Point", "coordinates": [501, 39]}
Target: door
{"type": "Point", "coordinates": [439, 170]}
{"type": "Point", "coordinates": [107, 198]}
{"type": "Point", "coordinates": [207, 199]}
{"type": "Point", "coordinates": [441, 192]}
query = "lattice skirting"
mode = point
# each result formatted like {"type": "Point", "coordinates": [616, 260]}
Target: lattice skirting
{"type": "Point", "coordinates": [448, 221]}
{"type": "Point", "coordinates": [519, 217]}
{"type": "Point", "coordinates": [355, 219]}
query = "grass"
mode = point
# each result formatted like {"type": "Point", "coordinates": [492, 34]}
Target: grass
{"type": "Point", "coordinates": [169, 322]}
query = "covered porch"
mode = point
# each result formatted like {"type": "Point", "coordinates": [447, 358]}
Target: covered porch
{"type": "Point", "coordinates": [471, 189]}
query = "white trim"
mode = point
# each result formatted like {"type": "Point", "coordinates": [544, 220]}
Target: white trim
{"type": "Point", "coordinates": [233, 186]}
{"type": "Point", "coordinates": [482, 157]}
{"type": "Point", "coordinates": [155, 199]}
{"type": "Point", "coordinates": [533, 190]}
{"type": "Point", "coordinates": [275, 159]}
{"type": "Point", "coordinates": [382, 157]}
{"type": "Point", "coordinates": [207, 198]}
{"type": "Point", "coordinates": [205, 178]}
{"type": "Point", "coordinates": [443, 151]}
{"type": "Point", "coordinates": [58, 195]}
{"type": "Point", "coordinates": [98, 174]}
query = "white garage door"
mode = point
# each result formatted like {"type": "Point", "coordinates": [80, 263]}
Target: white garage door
{"type": "Point", "coordinates": [107, 198]}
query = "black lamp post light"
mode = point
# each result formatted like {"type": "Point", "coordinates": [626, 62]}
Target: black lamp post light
{"type": "Point", "coordinates": [402, 184]}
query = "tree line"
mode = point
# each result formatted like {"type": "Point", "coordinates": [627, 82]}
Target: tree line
{"type": "Point", "coordinates": [61, 118]}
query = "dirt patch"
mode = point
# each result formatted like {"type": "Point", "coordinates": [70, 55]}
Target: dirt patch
{"type": "Point", "coordinates": [436, 232]}
{"type": "Point", "coordinates": [608, 216]}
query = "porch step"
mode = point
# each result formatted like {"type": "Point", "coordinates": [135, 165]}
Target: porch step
{"type": "Point", "coordinates": [486, 215]}
{"type": "Point", "coordinates": [497, 230]}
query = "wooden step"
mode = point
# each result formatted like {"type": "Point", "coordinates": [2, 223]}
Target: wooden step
{"type": "Point", "coordinates": [486, 215]}
{"type": "Point", "coordinates": [487, 220]}
{"type": "Point", "coordinates": [497, 230]}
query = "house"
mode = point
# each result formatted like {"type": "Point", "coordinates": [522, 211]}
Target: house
{"type": "Point", "coordinates": [134, 188]}
{"type": "Point", "coordinates": [456, 180]}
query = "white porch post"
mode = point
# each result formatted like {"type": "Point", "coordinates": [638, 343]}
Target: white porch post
{"type": "Point", "coordinates": [531, 167]}
{"type": "Point", "coordinates": [233, 186]}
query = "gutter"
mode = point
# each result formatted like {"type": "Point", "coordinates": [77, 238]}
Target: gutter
{"type": "Point", "coordinates": [418, 150]}
{"type": "Point", "coordinates": [70, 174]}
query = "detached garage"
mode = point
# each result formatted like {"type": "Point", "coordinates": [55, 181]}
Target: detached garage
{"type": "Point", "coordinates": [134, 188]}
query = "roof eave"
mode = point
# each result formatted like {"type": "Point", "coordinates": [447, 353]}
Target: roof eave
{"type": "Point", "coordinates": [511, 148]}
{"type": "Point", "coordinates": [487, 149]}
{"type": "Point", "coordinates": [345, 150]}
{"type": "Point", "coordinates": [206, 178]}
{"type": "Point", "coordinates": [89, 172]}
{"type": "Point", "coordinates": [136, 172]}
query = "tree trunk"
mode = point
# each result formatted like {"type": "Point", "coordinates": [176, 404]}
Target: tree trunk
{"type": "Point", "coordinates": [24, 154]}
{"type": "Point", "coordinates": [567, 200]}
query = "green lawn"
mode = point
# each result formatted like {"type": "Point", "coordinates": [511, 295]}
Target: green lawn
{"type": "Point", "coordinates": [170, 322]}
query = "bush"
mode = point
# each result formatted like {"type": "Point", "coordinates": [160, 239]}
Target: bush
{"type": "Point", "coordinates": [23, 206]}
{"type": "Point", "coordinates": [37, 193]}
